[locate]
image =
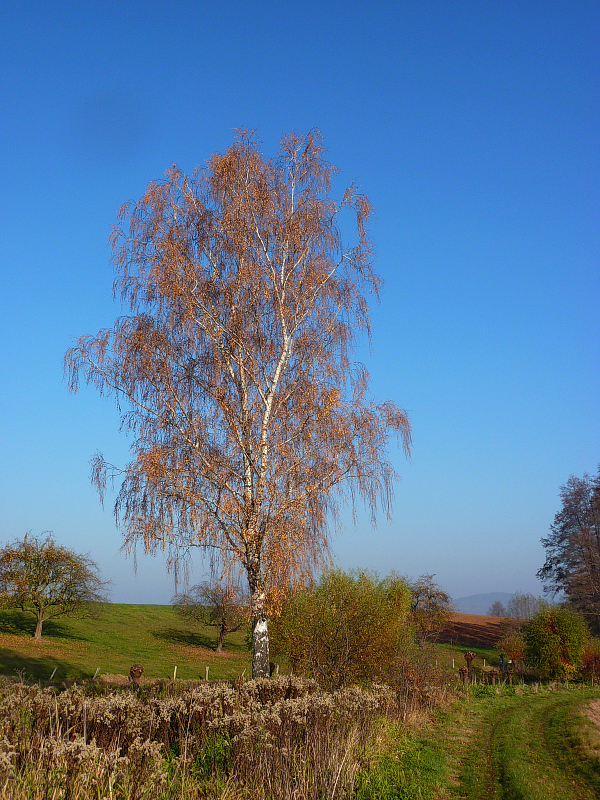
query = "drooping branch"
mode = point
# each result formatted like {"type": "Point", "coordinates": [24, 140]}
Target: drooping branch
{"type": "Point", "coordinates": [234, 368]}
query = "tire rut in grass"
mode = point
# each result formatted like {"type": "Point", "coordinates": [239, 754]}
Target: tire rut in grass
{"type": "Point", "coordinates": [554, 759]}
{"type": "Point", "coordinates": [494, 775]}
{"type": "Point", "coordinates": [518, 749]}
{"type": "Point", "coordinates": [568, 759]}
{"type": "Point", "coordinates": [542, 770]}
{"type": "Point", "coordinates": [476, 776]}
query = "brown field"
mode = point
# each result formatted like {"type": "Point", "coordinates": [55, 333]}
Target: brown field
{"type": "Point", "coordinates": [472, 629]}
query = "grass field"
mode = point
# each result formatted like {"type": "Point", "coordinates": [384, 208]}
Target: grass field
{"type": "Point", "coordinates": [531, 743]}
{"type": "Point", "coordinates": [115, 638]}
{"type": "Point", "coordinates": [524, 742]}
{"type": "Point", "coordinates": [119, 635]}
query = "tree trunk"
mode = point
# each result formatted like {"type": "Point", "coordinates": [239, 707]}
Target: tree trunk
{"type": "Point", "coordinates": [38, 628]}
{"type": "Point", "coordinates": [260, 626]}
{"type": "Point", "coordinates": [221, 637]}
{"type": "Point", "coordinates": [260, 646]}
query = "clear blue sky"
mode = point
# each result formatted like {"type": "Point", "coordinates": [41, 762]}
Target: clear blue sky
{"type": "Point", "coordinates": [474, 129]}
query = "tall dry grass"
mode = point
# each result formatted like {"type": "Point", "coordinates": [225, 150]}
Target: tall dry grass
{"type": "Point", "coordinates": [282, 738]}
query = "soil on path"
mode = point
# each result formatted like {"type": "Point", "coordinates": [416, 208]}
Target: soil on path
{"type": "Point", "coordinates": [593, 713]}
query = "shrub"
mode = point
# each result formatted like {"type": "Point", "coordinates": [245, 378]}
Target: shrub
{"type": "Point", "coordinates": [590, 660]}
{"type": "Point", "coordinates": [554, 641]}
{"type": "Point", "coordinates": [345, 628]}
{"type": "Point", "coordinates": [512, 642]}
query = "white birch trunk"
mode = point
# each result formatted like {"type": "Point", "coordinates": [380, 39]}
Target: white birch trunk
{"type": "Point", "coordinates": [260, 647]}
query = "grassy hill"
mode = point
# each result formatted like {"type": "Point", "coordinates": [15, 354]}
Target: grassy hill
{"type": "Point", "coordinates": [116, 637]}
{"type": "Point", "coordinates": [120, 635]}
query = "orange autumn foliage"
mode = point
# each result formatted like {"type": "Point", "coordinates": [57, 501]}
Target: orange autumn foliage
{"type": "Point", "coordinates": [233, 366]}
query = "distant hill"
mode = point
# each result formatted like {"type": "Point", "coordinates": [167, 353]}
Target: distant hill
{"type": "Point", "coordinates": [479, 603]}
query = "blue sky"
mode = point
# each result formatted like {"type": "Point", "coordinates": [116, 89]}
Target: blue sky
{"type": "Point", "coordinates": [474, 129]}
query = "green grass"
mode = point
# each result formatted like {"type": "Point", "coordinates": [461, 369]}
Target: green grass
{"type": "Point", "coordinates": [495, 743]}
{"type": "Point", "coordinates": [521, 746]}
{"type": "Point", "coordinates": [452, 656]}
{"type": "Point", "coordinates": [400, 766]}
{"type": "Point", "coordinates": [117, 636]}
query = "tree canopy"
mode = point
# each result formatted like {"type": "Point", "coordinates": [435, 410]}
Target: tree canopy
{"type": "Point", "coordinates": [497, 609]}
{"type": "Point", "coordinates": [523, 605]}
{"type": "Point", "coordinates": [233, 368]}
{"type": "Point", "coordinates": [47, 580]}
{"type": "Point", "coordinates": [430, 607]}
{"type": "Point", "coordinates": [572, 565]}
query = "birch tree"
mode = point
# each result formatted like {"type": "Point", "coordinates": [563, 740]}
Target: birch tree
{"type": "Point", "coordinates": [232, 368]}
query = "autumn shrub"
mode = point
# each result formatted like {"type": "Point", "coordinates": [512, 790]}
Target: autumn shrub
{"type": "Point", "coordinates": [590, 659]}
{"type": "Point", "coordinates": [345, 628]}
{"type": "Point", "coordinates": [512, 644]}
{"type": "Point", "coordinates": [554, 640]}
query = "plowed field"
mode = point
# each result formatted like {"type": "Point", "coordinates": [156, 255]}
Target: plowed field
{"type": "Point", "coordinates": [472, 629]}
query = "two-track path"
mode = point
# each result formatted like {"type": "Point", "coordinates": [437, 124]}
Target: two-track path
{"type": "Point", "coordinates": [531, 746]}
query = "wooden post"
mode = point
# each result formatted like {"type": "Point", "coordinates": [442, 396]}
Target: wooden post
{"type": "Point", "coordinates": [207, 672]}
{"type": "Point", "coordinates": [175, 673]}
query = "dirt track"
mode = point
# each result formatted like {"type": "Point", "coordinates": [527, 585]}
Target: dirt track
{"type": "Point", "coordinates": [472, 629]}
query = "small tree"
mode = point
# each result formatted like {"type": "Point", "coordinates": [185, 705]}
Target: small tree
{"type": "Point", "coordinates": [590, 660]}
{"type": "Point", "coordinates": [44, 579]}
{"type": "Point", "coordinates": [497, 609]}
{"type": "Point", "coordinates": [554, 641]}
{"type": "Point", "coordinates": [345, 628]}
{"type": "Point", "coordinates": [512, 644]}
{"type": "Point", "coordinates": [212, 604]}
{"type": "Point", "coordinates": [430, 607]}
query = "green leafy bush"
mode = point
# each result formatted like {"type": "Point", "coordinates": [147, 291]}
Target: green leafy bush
{"type": "Point", "coordinates": [554, 640]}
{"type": "Point", "coordinates": [345, 628]}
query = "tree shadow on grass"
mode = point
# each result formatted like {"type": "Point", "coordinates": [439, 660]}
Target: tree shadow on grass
{"type": "Point", "coordinates": [186, 638]}
{"type": "Point", "coordinates": [38, 669]}
{"type": "Point", "coordinates": [21, 624]}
